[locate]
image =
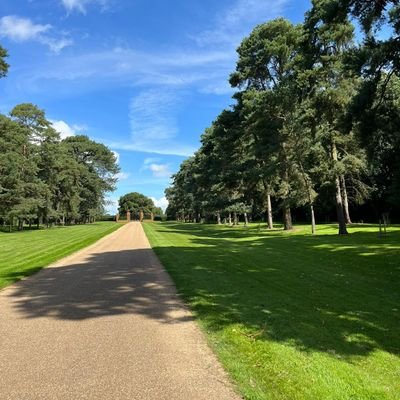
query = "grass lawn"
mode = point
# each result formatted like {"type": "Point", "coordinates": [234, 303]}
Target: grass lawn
{"type": "Point", "coordinates": [23, 253]}
{"type": "Point", "coordinates": [292, 316]}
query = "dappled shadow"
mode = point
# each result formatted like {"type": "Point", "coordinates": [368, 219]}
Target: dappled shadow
{"type": "Point", "coordinates": [104, 284]}
{"type": "Point", "coordinates": [338, 295]}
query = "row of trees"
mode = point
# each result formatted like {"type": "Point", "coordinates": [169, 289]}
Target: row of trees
{"type": "Point", "coordinates": [46, 179]}
{"type": "Point", "coordinates": [315, 122]}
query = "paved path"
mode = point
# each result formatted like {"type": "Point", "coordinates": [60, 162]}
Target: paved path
{"type": "Point", "coordinates": [104, 323]}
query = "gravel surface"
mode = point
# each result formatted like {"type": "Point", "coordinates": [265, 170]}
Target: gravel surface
{"type": "Point", "coordinates": [104, 323]}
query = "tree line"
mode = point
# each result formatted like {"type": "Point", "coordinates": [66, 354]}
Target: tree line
{"type": "Point", "coordinates": [314, 125]}
{"type": "Point", "coordinates": [47, 180]}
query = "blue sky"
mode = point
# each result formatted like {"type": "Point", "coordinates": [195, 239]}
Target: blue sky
{"type": "Point", "coordinates": [145, 77]}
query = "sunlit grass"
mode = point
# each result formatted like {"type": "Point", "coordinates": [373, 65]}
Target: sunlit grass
{"type": "Point", "coordinates": [23, 253]}
{"type": "Point", "coordinates": [291, 315]}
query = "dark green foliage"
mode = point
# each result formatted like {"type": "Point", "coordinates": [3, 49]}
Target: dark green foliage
{"type": "Point", "coordinates": [3, 65]}
{"type": "Point", "coordinates": [136, 202]}
{"type": "Point", "coordinates": [46, 179]}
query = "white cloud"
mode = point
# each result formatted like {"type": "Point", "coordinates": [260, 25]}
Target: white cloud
{"type": "Point", "coordinates": [23, 29]}
{"type": "Point", "coordinates": [162, 202]}
{"type": "Point", "coordinates": [66, 130]}
{"type": "Point", "coordinates": [80, 5]}
{"type": "Point", "coordinates": [160, 170]}
{"type": "Point", "coordinates": [122, 176]}
{"type": "Point", "coordinates": [117, 156]}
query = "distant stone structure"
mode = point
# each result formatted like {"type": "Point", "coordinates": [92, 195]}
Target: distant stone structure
{"type": "Point", "coordinates": [117, 218]}
{"type": "Point", "coordinates": [141, 216]}
{"type": "Point", "coordinates": [128, 216]}
{"type": "Point", "coordinates": [152, 216]}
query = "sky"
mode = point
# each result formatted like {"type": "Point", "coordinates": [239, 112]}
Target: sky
{"type": "Point", "coordinates": [144, 77]}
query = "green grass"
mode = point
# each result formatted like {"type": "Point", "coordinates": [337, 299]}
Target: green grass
{"type": "Point", "coordinates": [292, 316]}
{"type": "Point", "coordinates": [24, 253]}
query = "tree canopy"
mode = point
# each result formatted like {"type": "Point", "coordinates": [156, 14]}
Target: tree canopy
{"type": "Point", "coordinates": [46, 179]}
{"type": "Point", "coordinates": [136, 202]}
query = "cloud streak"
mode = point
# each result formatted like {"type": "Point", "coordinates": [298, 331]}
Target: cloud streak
{"type": "Point", "coordinates": [81, 5]}
{"type": "Point", "coordinates": [154, 127]}
{"type": "Point", "coordinates": [236, 21]}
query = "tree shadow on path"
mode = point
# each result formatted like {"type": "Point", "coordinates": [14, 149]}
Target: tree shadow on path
{"type": "Point", "coordinates": [104, 284]}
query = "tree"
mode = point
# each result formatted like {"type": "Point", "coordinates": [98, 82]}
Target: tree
{"type": "Point", "coordinates": [264, 70]}
{"type": "Point", "coordinates": [331, 88]}
{"type": "Point", "coordinates": [135, 203]}
{"type": "Point", "coordinates": [21, 191]}
{"type": "Point", "coordinates": [3, 65]}
{"type": "Point", "coordinates": [97, 173]}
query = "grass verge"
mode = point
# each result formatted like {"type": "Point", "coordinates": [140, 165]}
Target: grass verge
{"type": "Point", "coordinates": [24, 253]}
{"type": "Point", "coordinates": [290, 315]}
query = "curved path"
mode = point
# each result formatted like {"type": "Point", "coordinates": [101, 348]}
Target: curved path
{"type": "Point", "coordinates": [104, 323]}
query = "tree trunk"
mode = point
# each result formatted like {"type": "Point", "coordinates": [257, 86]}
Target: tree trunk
{"type": "Point", "coordinates": [218, 218]}
{"type": "Point", "coordinates": [345, 201]}
{"type": "Point", "coordinates": [235, 218]}
{"type": "Point", "coordinates": [230, 219]}
{"type": "Point", "coordinates": [269, 212]}
{"type": "Point", "coordinates": [339, 209]}
{"type": "Point", "coordinates": [246, 221]}
{"type": "Point", "coordinates": [20, 224]}
{"type": "Point", "coordinates": [313, 228]}
{"type": "Point", "coordinates": [339, 202]}
{"type": "Point", "coordinates": [287, 218]}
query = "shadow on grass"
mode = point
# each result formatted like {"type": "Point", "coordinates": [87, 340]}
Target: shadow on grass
{"type": "Point", "coordinates": [328, 293]}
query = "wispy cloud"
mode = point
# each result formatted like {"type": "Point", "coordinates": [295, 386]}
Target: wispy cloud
{"type": "Point", "coordinates": [236, 21]}
{"type": "Point", "coordinates": [154, 127]}
{"type": "Point", "coordinates": [125, 66]}
{"type": "Point", "coordinates": [20, 29]}
{"type": "Point", "coordinates": [201, 67]}
{"type": "Point", "coordinates": [151, 116]}
{"type": "Point", "coordinates": [123, 176]}
{"type": "Point", "coordinates": [81, 5]}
